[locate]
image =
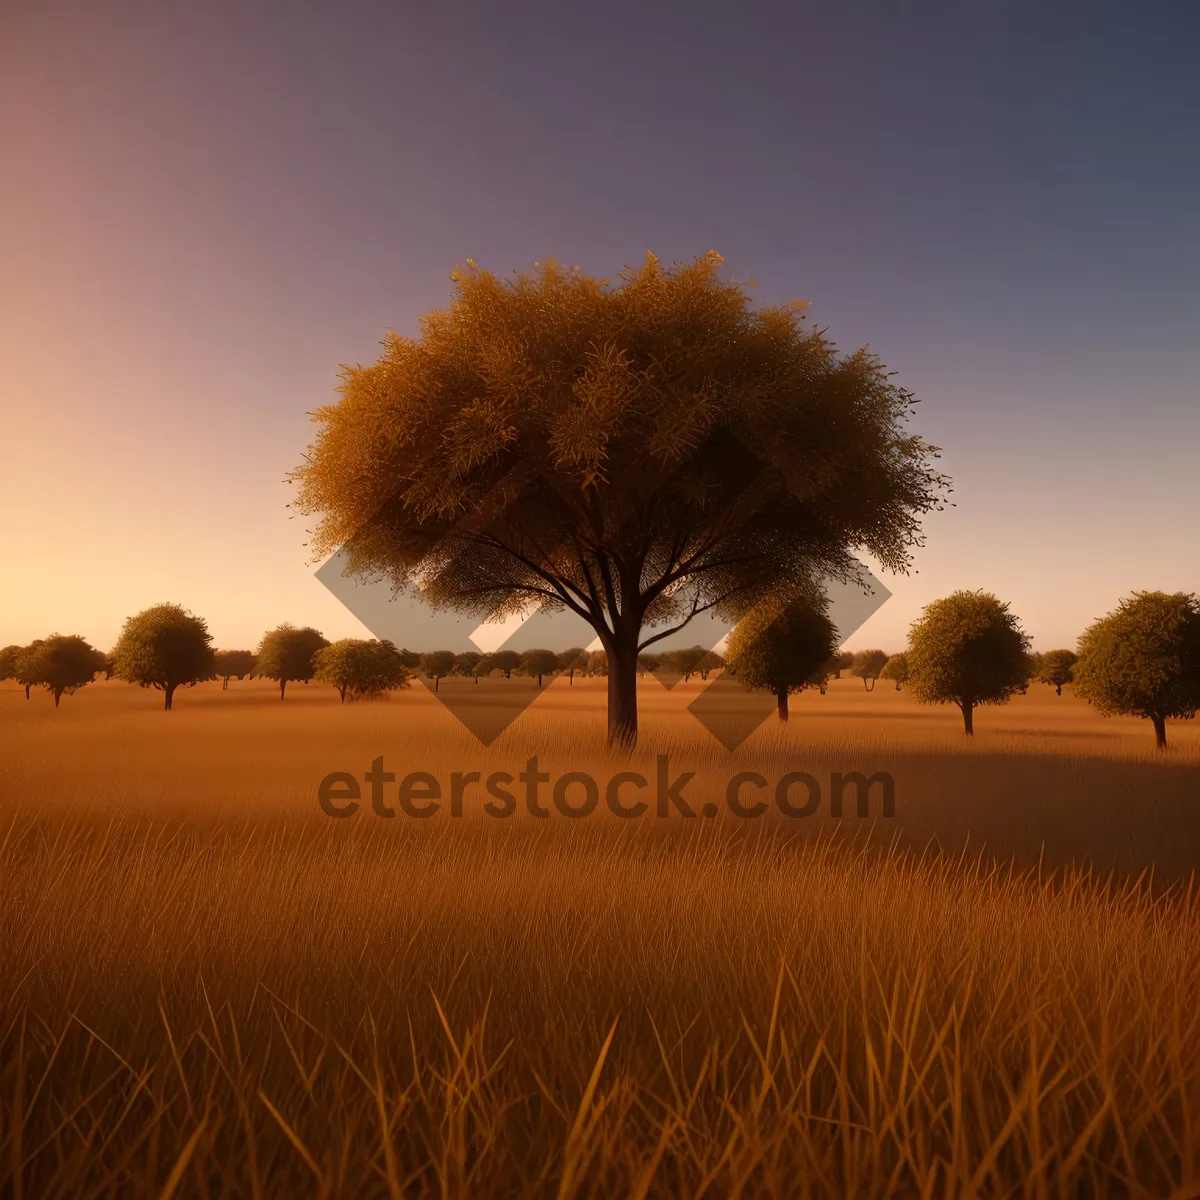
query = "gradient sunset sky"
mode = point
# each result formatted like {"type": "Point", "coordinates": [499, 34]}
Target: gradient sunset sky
{"type": "Point", "coordinates": [207, 207]}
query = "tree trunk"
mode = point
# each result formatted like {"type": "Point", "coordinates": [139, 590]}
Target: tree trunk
{"type": "Point", "coordinates": [622, 694]}
{"type": "Point", "coordinates": [571, 678]}
{"type": "Point", "coordinates": [168, 696]}
{"type": "Point", "coordinates": [968, 712]}
{"type": "Point", "coordinates": [282, 686]}
{"type": "Point", "coordinates": [342, 693]}
{"type": "Point", "coordinates": [435, 683]}
{"type": "Point", "coordinates": [27, 687]}
{"type": "Point", "coordinates": [1058, 689]}
{"type": "Point", "coordinates": [1160, 732]}
{"type": "Point", "coordinates": [781, 701]}
{"type": "Point", "coordinates": [57, 696]}
{"type": "Point", "coordinates": [865, 688]}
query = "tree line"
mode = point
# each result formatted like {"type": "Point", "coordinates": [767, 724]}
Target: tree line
{"type": "Point", "coordinates": [967, 649]}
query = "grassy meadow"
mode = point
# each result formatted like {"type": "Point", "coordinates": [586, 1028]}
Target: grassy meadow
{"type": "Point", "coordinates": [212, 989]}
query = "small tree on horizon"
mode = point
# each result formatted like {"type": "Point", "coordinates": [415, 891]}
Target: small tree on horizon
{"type": "Point", "coordinates": [62, 664]}
{"type": "Point", "coordinates": [364, 668]}
{"type": "Point", "coordinates": [25, 665]}
{"type": "Point", "coordinates": [781, 649]}
{"type": "Point", "coordinates": [1143, 660]}
{"type": "Point", "coordinates": [286, 653]}
{"type": "Point", "coordinates": [537, 663]}
{"type": "Point", "coordinates": [437, 664]}
{"type": "Point", "coordinates": [507, 661]}
{"type": "Point", "coordinates": [164, 647]}
{"type": "Point", "coordinates": [1057, 668]}
{"type": "Point", "coordinates": [465, 663]}
{"type": "Point", "coordinates": [896, 668]}
{"type": "Point", "coordinates": [10, 656]}
{"type": "Point", "coordinates": [867, 664]}
{"type": "Point", "coordinates": [967, 649]}
{"type": "Point", "coordinates": [571, 660]}
{"type": "Point", "coordinates": [233, 664]}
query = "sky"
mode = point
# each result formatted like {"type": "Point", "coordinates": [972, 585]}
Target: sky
{"type": "Point", "coordinates": [206, 209]}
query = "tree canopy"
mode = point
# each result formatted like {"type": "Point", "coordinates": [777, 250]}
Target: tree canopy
{"type": "Point", "coordinates": [233, 664]}
{"type": "Point", "coordinates": [867, 665]}
{"type": "Point", "coordinates": [62, 664]}
{"type": "Point", "coordinates": [896, 669]}
{"type": "Point", "coordinates": [1143, 660]}
{"type": "Point", "coordinates": [286, 654]}
{"type": "Point", "coordinates": [781, 649]}
{"type": "Point", "coordinates": [967, 649]}
{"type": "Point", "coordinates": [637, 454]}
{"type": "Point", "coordinates": [1056, 667]}
{"type": "Point", "coordinates": [437, 664]}
{"type": "Point", "coordinates": [537, 663]}
{"type": "Point", "coordinates": [362, 668]}
{"type": "Point", "coordinates": [164, 647]}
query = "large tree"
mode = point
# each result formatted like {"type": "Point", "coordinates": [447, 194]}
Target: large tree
{"type": "Point", "coordinates": [967, 649]}
{"type": "Point", "coordinates": [637, 454]}
{"type": "Point", "coordinates": [164, 647]}
{"type": "Point", "coordinates": [361, 667]}
{"type": "Point", "coordinates": [62, 664]}
{"type": "Point", "coordinates": [286, 654]}
{"type": "Point", "coordinates": [781, 649]}
{"type": "Point", "coordinates": [1143, 660]}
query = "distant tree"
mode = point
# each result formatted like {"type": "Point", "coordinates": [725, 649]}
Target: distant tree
{"type": "Point", "coordinates": [1056, 667]}
{"type": "Point", "coordinates": [437, 664]}
{"type": "Point", "coordinates": [597, 663]}
{"type": "Point", "coordinates": [466, 662]}
{"type": "Point", "coordinates": [507, 661]}
{"type": "Point", "coordinates": [967, 649]}
{"type": "Point", "coordinates": [62, 664]}
{"type": "Point", "coordinates": [362, 668]}
{"type": "Point", "coordinates": [570, 660]}
{"type": "Point", "coordinates": [615, 431]}
{"type": "Point", "coordinates": [164, 647]}
{"type": "Point", "coordinates": [536, 663]}
{"type": "Point", "coordinates": [9, 657]}
{"type": "Point", "coordinates": [1143, 660]}
{"type": "Point", "coordinates": [867, 664]}
{"type": "Point", "coordinates": [781, 649]}
{"type": "Point", "coordinates": [896, 668]}
{"type": "Point", "coordinates": [648, 661]}
{"type": "Point", "coordinates": [1033, 670]}
{"type": "Point", "coordinates": [25, 665]}
{"type": "Point", "coordinates": [843, 660]}
{"type": "Point", "coordinates": [709, 661]}
{"type": "Point", "coordinates": [233, 664]}
{"type": "Point", "coordinates": [285, 654]}
{"type": "Point", "coordinates": [410, 658]}
{"type": "Point", "coordinates": [483, 668]}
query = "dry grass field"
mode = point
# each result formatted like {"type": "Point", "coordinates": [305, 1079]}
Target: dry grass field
{"type": "Point", "coordinates": [212, 989]}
